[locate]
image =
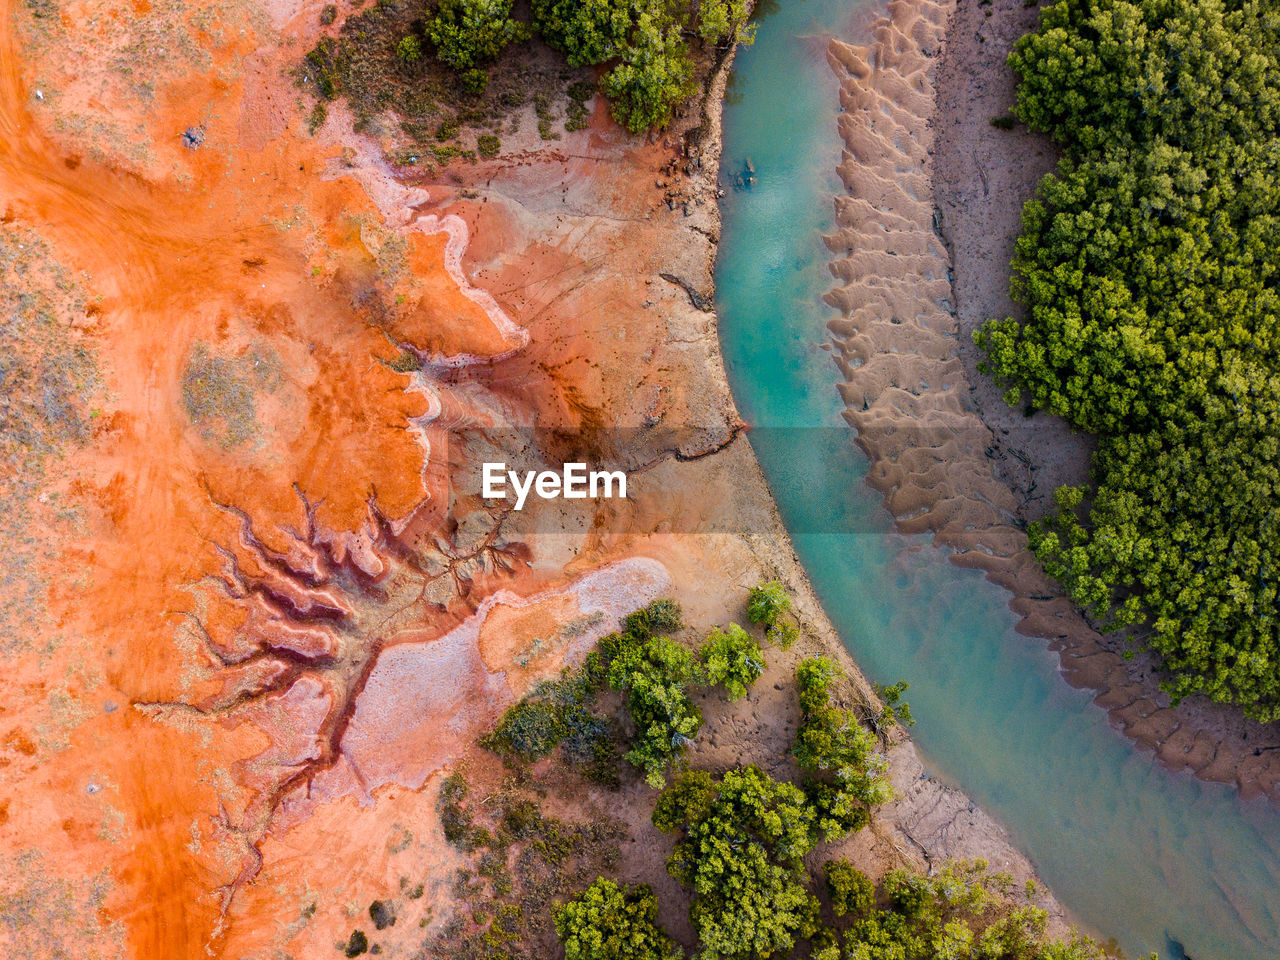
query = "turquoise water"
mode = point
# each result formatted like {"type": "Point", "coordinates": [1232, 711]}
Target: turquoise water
{"type": "Point", "coordinates": [1136, 853]}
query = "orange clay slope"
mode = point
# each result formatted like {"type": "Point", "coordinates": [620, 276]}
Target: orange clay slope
{"type": "Point", "coordinates": [236, 307]}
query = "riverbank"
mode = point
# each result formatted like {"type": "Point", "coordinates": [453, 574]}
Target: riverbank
{"type": "Point", "coordinates": [922, 254]}
{"type": "Point", "coordinates": [719, 479]}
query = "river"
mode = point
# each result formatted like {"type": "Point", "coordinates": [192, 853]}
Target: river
{"type": "Point", "coordinates": [1149, 858]}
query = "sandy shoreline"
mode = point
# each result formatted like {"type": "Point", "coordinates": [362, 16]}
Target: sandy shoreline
{"type": "Point", "coordinates": [921, 259]}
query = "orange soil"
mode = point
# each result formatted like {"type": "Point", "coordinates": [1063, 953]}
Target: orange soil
{"type": "Point", "coordinates": [268, 604]}
{"type": "Point", "coordinates": [253, 257]}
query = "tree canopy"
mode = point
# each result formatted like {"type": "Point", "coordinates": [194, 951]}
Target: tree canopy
{"type": "Point", "coordinates": [468, 33]}
{"type": "Point", "coordinates": [587, 32]}
{"type": "Point", "coordinates": [1148, 268]}
{"type": "Point", "coordinates": [959, 913]}
{"type": "Point", "coordinates": [846, 774]}
{"type": "Point", "coordinates": [655, 673]}
{"type": "Point", "coordinates": [743, 839]}
{"type": "Point", "coordinates": [612, 922]}
{"type": "Point", "coordinates": [731, 658]}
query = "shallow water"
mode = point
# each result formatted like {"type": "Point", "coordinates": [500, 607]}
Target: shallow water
{"type": "Point", "coordinates": [1134, 852]}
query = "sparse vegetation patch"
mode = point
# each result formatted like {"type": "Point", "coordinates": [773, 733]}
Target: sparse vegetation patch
{"type": "Point", "coordinates": [406, 62]}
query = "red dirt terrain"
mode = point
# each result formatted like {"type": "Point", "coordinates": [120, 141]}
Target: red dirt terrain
{"type": "Point", "coordinates": [243, 597]}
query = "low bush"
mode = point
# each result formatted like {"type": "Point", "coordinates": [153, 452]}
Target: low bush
{"type": "Point", "coordinates": [612, 922]}
{"type": "Point", "coordinates": [662, 616]}
{"type": "Point", "coordinates": [560, 713]}
{"type": "Point", "coordinates": [846, 774]}
{"type": "Point", "coordinates": [731, 658]}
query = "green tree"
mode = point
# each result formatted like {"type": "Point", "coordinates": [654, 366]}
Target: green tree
{"type": "Point", "coordinates": [409, 50]}
{"type": "Point", "coordinates": [851, 890]}
{"type": "Point", "coordinates": [743, 839]}
{"type": "Point", "coordinates": [609, 922]}
{"type": "Point", "coordinates": [654, 672]}
{"type": "Point", "coordinates": [720, 20]}
{"type": "Point", "coordinates": [847, 776]}
{"type": "Point", "coordinates": [587, 31]}
{"type": "Point", "coordinates": [767, 603]}
{"type": "Point", "coordinates": [959, 913]}
{"type": "Point", "coordinates": [896, 710]}
{"type": "Point", "coordinates": [1149, 273]}
{"type": "Point", "coordinates": [655, 76]}
{"type": "Point", "coordinates": [732, 659]}
{"type": "Point", "coordinates": [468, 33]}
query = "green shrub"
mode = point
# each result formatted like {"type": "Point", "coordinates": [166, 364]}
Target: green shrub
{"type": "Point", "coordinates": [767, 603]}
{"type": "Point", "coordinates": [409, 50]}
{"type": "Point", "coordinates": [910, 895]}
{"type": "Point", "coordinates": [687, 800]}
{"type": "Point", "coordinates": [847, 775]}
{"type": "Point", "coordinates": [319, 113]}
{"type": "Point", "coordinates": [813, 682]}
{"type": "Point", "coordinates": [896, 710]}
{"type": "Point", "coordinates": [575, 111]}
{"type": "Point", "coordinates": [662, 616]}
{"type": "Point", "coordinates": [960, 913]}
{"type": "Point", "coordinates": [521, 818]}
{"type": "Point", "coordinates": [488, 145]}
{"type": "Point", "coordinates": [448, 129]}
{"type": "Point", "coordinates": [529, 730]}
{"type": "Point", "coordinates": [475, 81]}
{"type": "Point", "coordinates": [851, 890]}
{"type": "Point", "coordinates": [783, 634]}
{"type": "Point", "coordinates": [608, 922]}
{"type": "Point", "coordinates": [468, 33]}
{"type": "Point", "coordinates": [732, 659]}
{"type": "Point", "coordinates": [559, 713]}
{"type": "Point", "coordinates": [455, 820]}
